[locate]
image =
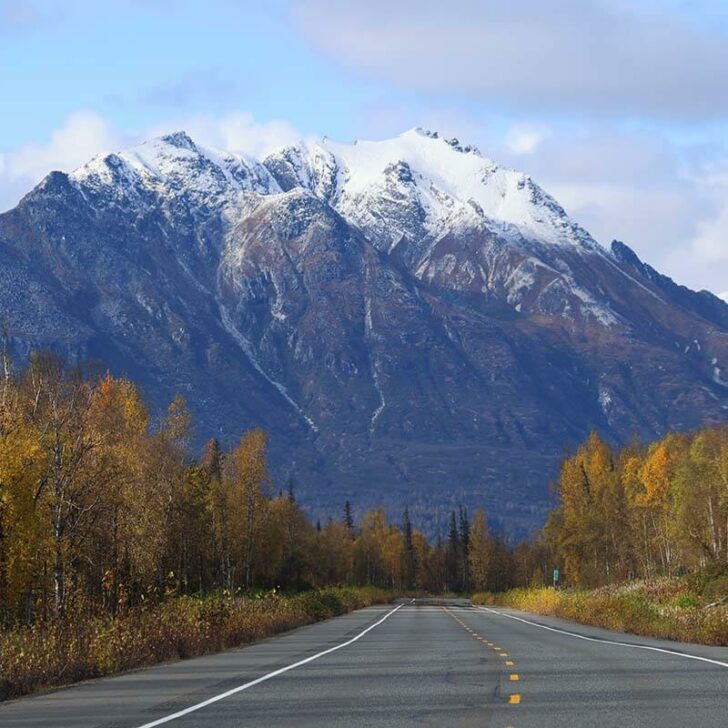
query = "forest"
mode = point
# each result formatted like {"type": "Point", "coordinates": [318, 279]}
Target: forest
{"type": "Point", "coordinates": [119, 548]}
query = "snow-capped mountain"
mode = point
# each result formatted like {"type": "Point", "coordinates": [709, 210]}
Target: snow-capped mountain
{"type": "Point", "coordinates": [411, 322]}
{"type": "Point", "coordinates": [420, 178]}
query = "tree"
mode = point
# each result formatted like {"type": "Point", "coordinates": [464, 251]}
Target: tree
{"type": "Point", "coordinates": [700, 497]}
{"type": "Point", "coordinates": [464, 529]}
{"type": "Point", "coordinates": [657, 474]}
{"type": "Point", "coordinates": [348, 518]}
{"type": "Point", "coordinates": [479, 554]}
{"type": "Point", "coordinates": [60, 401]}
{"type": "Point", "coordinates": [409, 567]}
{"type": "Point", "coordinates": [452, 555]}
{"type": "Point", "coordinates": [250, 478]}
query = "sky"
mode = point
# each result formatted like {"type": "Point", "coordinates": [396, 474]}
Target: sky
{"type": "Point", "coordinates": [618, 108]}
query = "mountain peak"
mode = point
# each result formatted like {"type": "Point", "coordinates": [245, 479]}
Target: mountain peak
{"type": "Point", "coordinates": [418, 185]}
{"type": "Point", "coordinates": [179, 139]}
{"type": "Point", "coordinates": [453, 142]}
{"type": "Point", "coordinates": [173, 164]}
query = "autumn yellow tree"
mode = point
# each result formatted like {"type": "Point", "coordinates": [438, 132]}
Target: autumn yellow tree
{"type": "Point", "coordinates": [657, 475]}
{"type": "Point", "coordinates": [248, 473]}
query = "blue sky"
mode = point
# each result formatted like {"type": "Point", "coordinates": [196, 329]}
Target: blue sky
{"type": "Point", "coordinates": [618, 108]}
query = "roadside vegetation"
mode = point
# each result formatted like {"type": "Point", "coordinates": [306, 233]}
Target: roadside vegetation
{"type": "Point", "coordinates": [92, 644]}
{"type": "Point", "coordinates": [691, 609]}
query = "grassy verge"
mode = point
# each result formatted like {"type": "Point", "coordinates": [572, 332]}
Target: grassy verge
{"type": "Point", "coordinates": [686, 609]}
{"type": "Point", "coordinates": [52, 653]}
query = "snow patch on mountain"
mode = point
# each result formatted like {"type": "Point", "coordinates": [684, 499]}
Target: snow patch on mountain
{"type": "Point", "coordinates": [369, 328]}
{"type": "Point", "coordinates": [419, 170]}
{"type": "Point", "coordinates": [247, 348]}
{"type": "Point", "coordinates": [717, 373]}
{"type": "Point", "coordinates": [173, 165]}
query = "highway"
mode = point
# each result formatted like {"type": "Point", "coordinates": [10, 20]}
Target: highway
{"type": "Point", "coordinates": [410, 665]}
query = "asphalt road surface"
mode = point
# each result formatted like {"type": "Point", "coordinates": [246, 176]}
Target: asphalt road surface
{"type": "Point", "coordinates": [410, 665]}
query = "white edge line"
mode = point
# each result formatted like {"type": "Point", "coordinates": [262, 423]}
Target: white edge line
{"type": "Point", "coordinates": [263, 678]}
{"type": "Point", "coordinates": [608, 642]}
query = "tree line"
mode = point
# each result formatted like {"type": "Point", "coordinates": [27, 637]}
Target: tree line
{"type": "Point", "coordinates": [102, 508]}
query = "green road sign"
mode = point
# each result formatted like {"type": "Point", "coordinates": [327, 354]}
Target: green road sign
{"type": "Point", "coordinates": [556, 574]}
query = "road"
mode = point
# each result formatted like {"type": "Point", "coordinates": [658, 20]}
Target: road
{"type": "Point", "coordinates": [410, 665]}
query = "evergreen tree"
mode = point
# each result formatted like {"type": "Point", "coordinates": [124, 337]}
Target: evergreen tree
{"type": "Point", "coordinates": [452, 556]}
{"type": "Point", "coordinates": [348, 518]}
{"type": "Point", "coordinates": [464, 548]}
{"type": "Point", "coordinates": [410, 561]}
{"type": "Point", "coordinates": [212, 459]}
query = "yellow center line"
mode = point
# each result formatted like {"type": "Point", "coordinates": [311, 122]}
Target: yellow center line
{"type": "Point", "coordinates": [515, 698]}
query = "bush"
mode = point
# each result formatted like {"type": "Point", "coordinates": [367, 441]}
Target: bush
{"type": "Point", "coordinates": [717, 588]}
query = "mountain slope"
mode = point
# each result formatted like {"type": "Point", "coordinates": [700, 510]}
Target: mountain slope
{"type": "Point", "coordinates": [411, 322]}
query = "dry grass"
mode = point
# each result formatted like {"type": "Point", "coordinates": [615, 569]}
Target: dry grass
{"type": "Point", "coordinates": [676, 609]}
{"type": "Point", "coordinates": [57, 653]}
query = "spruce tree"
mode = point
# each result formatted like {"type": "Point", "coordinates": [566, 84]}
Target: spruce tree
{"type": "Point", "coordinates": [409, 550]}
{"type": "Point", "coordinates": [465, 548]}
{"type": "Point", "coordinates": [453, 555]}
{"type": "Point", "coordinates": [348, 517]}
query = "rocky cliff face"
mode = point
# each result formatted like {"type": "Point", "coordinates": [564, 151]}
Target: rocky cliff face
{"type": "Point", "coordinates": [412, 323]}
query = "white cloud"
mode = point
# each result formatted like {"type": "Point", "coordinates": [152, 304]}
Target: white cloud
{"type": "Point", "coordinates": [584, 56]}
{"type": "Point", "coordinates": [85, 134]}
{"type": "Point", "coordinates": [634, 186]}
{"type": "Point", "coordinates": [238, 131]}
{"type": "Point", "coordinates": [707, 250]}
{"type": "Point", "coordinates": [523, 139]}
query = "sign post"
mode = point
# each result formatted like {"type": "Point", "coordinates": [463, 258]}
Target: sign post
{"type": "Point", "coordinates": [556, 578]}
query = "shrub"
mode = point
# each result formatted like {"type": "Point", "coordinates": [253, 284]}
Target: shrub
{"type": "Point", "coordinates": [717, 588]}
